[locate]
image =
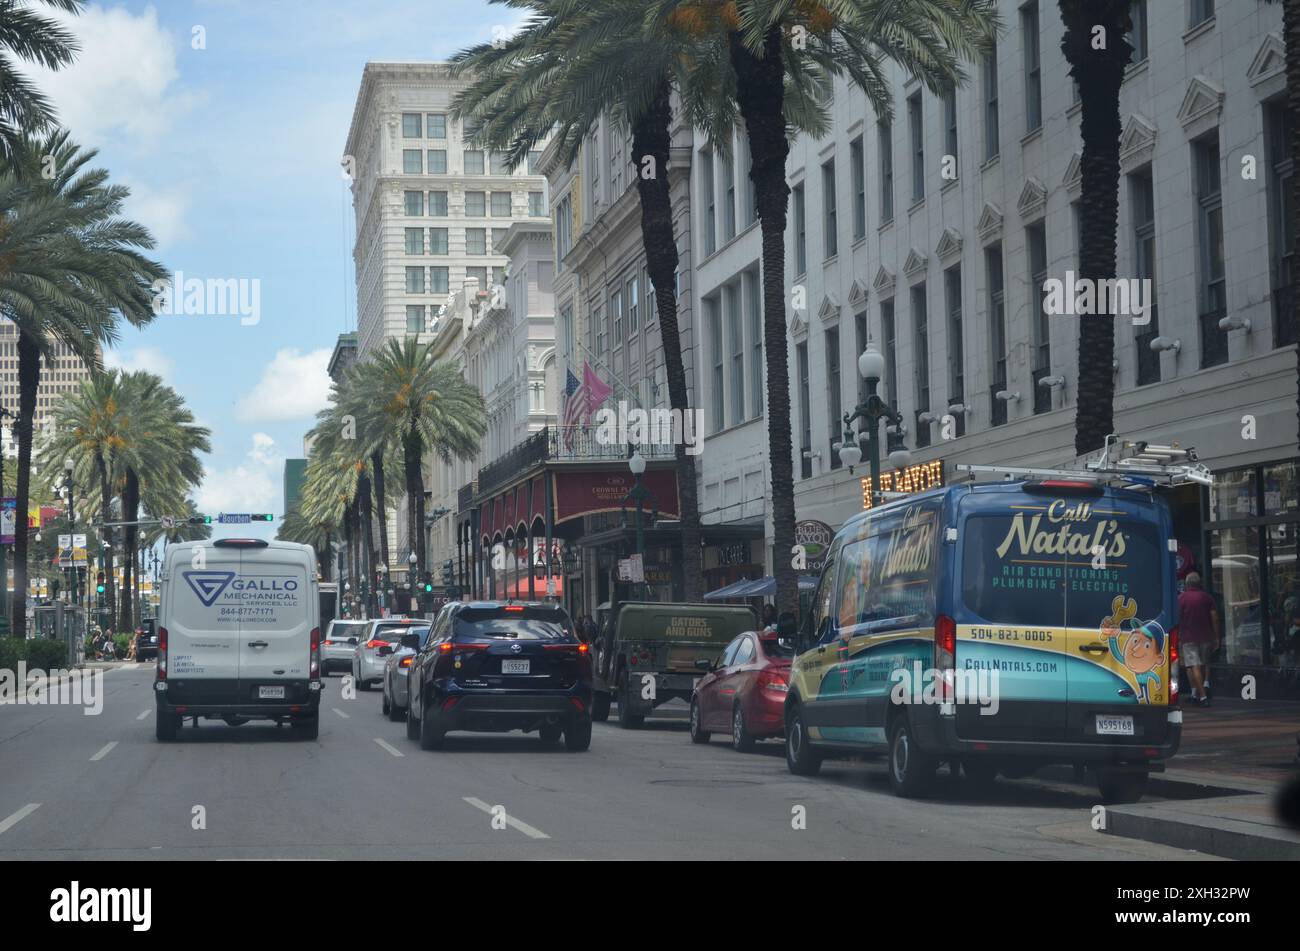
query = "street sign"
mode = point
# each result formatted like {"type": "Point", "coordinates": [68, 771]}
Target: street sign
{"type": "Point", "coordinates": [228, 519]}
{"type": "Point", "coordinates": [636, 568]}
{"type": "Point", "coordinates": [168, 522]}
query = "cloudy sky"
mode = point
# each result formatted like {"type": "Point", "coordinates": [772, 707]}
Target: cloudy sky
{"type": "Point", "coordinates": [227, 119]}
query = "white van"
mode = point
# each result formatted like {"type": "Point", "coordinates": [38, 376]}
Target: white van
{"type": "Point", "coordinates": [239, 635]}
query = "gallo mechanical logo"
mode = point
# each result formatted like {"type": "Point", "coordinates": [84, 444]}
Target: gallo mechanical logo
{"type": "Point", "coordinates": [208, 585]}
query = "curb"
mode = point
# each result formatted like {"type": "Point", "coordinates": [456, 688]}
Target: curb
{"type": "Point", "coordinates": [1213, 835]}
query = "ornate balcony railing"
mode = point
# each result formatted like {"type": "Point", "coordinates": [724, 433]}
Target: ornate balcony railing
{"type": "Point", "coordinates": [563, 444]}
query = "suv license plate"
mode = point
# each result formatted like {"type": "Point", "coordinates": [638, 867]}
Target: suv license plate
{"type": "Point", "coordinates": [1114, 726]}
{"type": "Point", "coordinates": [270, 693]}
{"type": "Point", "coordinates": [514, 667]}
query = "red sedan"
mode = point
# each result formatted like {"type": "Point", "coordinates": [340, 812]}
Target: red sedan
{"type": "Point", "coordinates": [744, 691]}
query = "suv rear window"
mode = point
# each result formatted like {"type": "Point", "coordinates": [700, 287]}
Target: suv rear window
{"type": "Point", "coordinates": [528, 624]}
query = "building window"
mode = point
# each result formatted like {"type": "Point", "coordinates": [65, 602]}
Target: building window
{"type": "Point", "coordinates": [415, 280]}
{"type": "Point", "coordinates": [729, 190]}
{"type": "Point", "coordinates": [754, 306]}
{"type": "Point", "coordinates": [566, 321]}
{"type": "Point", "coordinates": [1033, 67]}
{"type": "Point", "coordinates": [476, 204]}
{"type": "Point", "coordinates": [414, 240]}
{"type": "Point", "coordinates": [991, 105]}
{"type": "Point", "coordinates": [800, 231]}
{"type": "Point", "coordinates": [830, 220]}
{"type": "Point", "coordinates": [616, 314]}
{"type": "Point", "coordinates": [536, 205]}
{"type": "Point", "coordinates": [499, 276]}
{"type": "Point", "coordinates": [1201, 10]}
{"type": "Point", "coordinates": [751, 190]}
{"type": "Point", "coordinates": [534, 159]}
{"type": "Point", "coordinates": [950, 125]}
{"type": "Point", "coordinates": [1137, 37]}
{"type": "Point", "coordinates": [858, 162]}
{"type": "Point", "coordinates": [886, 162]}
{"type": "Point", "coordinates": [713, 313]}
{"type": "Point", "coordinates": [440, 280]}
{"type": "Point", "coordinates": [438, 241]}
{"type": "Point", "coordinates": [710, 201]}
{"type": "Point", "coordinates": [956, 343]}
{"type": "Point", "coordinates": [476, 241]}
{"type": "Point", "coordinates": [1142, 201]}
{"type": "Point", "coordinates": [563, 231]}
{"type": "Point", "coordinates": [414, 203]}
{"type": "Point", "coordinates": [1036, 239]}
{"type": "Point", "coordinates": [997, 306]}
{"type": "Point", "coordinates": [1212, 295]}
{"type": "Point", "coordinates": [437, 204]}
{"type": "Point", "coordinates": [437, 125]}
{"type": "Point", "coordinates": [473, 162]}
{"type": "Point", "coordinates": [412, 125]}
{"type": "Point", "coordinates": [736, 335]}
{"type": "Point", "coordinates": [1281, 236]}
{"type": "Point", "coordinates": [888, 332]}
{"type": "Point", "coordinates": [860, 326]}
{"type": "Point", "coordinates": [834, 399]}
{"type": "Point", "coordinates": [917, 131]}
{"type": "Point", "coordinates": [500, 204]}
{"type": "Point", "coordinates": [479, 274]}
{"type": "Point", "coordinates": [598, 322]}
{"type": "Point", "coordinates": [921, 324]}
{"type": "Point", "coordinates": [412, 162]}
{"type": "Point", "coordinates": [499, 163]}
{"type": "Point", "coordinates": [633, 304]}
{"type": "Point", "coordinates": [414, 318]}
{"type": "Point", "coordinates": [805, 413]}
{"type": "Point", "coordinates": [437, 161]}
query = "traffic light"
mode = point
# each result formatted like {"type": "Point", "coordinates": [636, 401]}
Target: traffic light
{"type": "Point", "coordinates": [428, 583]}
{"type": "Point", "coordinates": [448, 573]}
{"type": "Point", "coordinates": [200, 520]}
{"type": "Point", "coordinates": [262, 517]}
{"type": "Point", "coordinates": [99, 583]}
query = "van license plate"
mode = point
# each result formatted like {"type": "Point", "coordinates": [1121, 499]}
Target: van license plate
{"type": "Point", "coordinates": [514, 667]}
{"type": "Point", "coordinates": [1114, 726]}
{"type": "Point", "coordinates": [270, 693]}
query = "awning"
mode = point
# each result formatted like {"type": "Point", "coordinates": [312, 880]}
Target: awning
{"type": "Point", "coordinates": [762, 588]}
{"type": "Point", "coordinates": [728, 591]}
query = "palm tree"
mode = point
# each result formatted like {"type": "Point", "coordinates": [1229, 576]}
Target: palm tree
{"type": "Point", "coordinates": [769, 61]}
{"type": "Point", "coordinates": [296, 527]}
{"type": "Point", "coordinates": [1099, 72]}
{"type": "Point", "coordinates": [371, 434]}
{"type": "Point", "coordinates": [69, 267]}
{"type": "Point", "coordinates": [36, 38]}
{"type": "Point", "coordinates": [425, 406]}
{"type": "Point", "coordinates": [573, 62]}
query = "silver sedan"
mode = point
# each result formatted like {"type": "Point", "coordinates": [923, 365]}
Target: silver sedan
{"type": "Point", "coordinates": [396, 674]}
{"type": "Point", "coordinates": [380, 639]}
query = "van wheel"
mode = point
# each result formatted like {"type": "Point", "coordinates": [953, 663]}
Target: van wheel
{"type": "Point", "coordinates": [577, 735]}
{"type": "Point", "coordinates": [166, 726]}
{"type": "Point", "coordinates": [550, 733]}
{"type": "Point", "coordinates": [741, 740]}
{"type": "Point", "coordinates": [800, 756]}
{"type": "Point", "coordinates": [980, 773]}
{"type": "Point", "coordinates": [698, 733]}
{"type": "Point", "coordinates": [911, 769]}
{"type": "Point", "coordinates": [626, 718]}
{"type": "Point", "coordinates": [600, 707]}
{"type": "Point", "coordinates": [430, 737]}
{"type": "Point", "coordinates": [306, 729]}
{"type": "Point", "coordinates": [1118, 786]}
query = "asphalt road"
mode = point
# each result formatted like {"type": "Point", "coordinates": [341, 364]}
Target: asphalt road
{"type": "Point", "coordinates": [100, 787]}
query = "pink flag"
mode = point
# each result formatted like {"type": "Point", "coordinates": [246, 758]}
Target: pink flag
{"type": "Point", "coordinates": [597, 390]}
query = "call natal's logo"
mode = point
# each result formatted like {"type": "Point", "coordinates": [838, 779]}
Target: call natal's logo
{"type": "Point", "coordinates": [1029, 538]}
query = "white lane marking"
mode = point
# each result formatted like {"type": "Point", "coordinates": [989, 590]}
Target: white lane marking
{"type": "Point", "coordinates": [18, 816]}
{"type": "Point", "coordinates": [389, 747]}
{"type": "Point", "coordinates": [144, 714]}
{"type": "Point", "coordinates": [340, 713]}
{"type": "Point", "coordinates": [523, 827]}
{"type": "Point", "coordinates": [108, 748]}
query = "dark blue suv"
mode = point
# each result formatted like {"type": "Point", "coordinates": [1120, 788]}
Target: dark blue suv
{"type": "Point", "coordinates": [497, 666]}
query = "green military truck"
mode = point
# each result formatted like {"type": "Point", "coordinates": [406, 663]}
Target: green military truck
{"type": "Point", "coordinates": [647, 654]}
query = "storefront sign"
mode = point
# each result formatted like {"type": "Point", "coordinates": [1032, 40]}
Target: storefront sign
{"type": "Point", "coordinates": [8, 520]}
{"type": "Point", "coordinates": [917, 478]}
{"type": "Point", "coordinates": [737, 553]}
{"type": "Point", "coordinates": [815, 537]}
{"type": "Point", "coordinates": [586, 493]}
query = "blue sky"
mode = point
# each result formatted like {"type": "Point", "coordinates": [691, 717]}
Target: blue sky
{"type": "Point", "coordinates": [232, 154]}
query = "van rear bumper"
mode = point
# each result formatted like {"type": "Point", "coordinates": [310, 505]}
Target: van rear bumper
{"type": "Point", "coordinates": [938, 735]}
{"type": "Point", "coordinates": [186, 700]}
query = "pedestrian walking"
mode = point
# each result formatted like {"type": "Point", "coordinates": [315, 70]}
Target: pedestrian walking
{"type": "Point", "coordinates": [769, 617]}
{"type": "Point", "coordinates": [1198, 625]}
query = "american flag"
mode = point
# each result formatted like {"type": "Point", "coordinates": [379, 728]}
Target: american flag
{"type": "Point", "coordinates": [575, 407]}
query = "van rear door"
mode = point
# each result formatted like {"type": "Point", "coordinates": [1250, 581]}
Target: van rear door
{"type": "Point", "coordinates": [273, 593]}
{"type": "Point", "coordinates": [202, 638]}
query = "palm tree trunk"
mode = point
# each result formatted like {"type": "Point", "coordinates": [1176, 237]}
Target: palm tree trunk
{"type": "Point", "coordinates": [1291, 33]}
{"type": "Point", "coordinates": [761, 93]}
{"type": "Point", "coordinates": [367, 552]}
{"type": "Point", "coordinates": [1099, 73]}
{"type": "Point", "coordinates": [381, 507]}
{"type": "Point", "coordinates": [130, 542]}
{"type": "Point", "coordinates": [106, 516]}
{"type": "Point", "coordinates": [347, 578]}
{"type": "Point", "coordinates": [412, 452]}
{"type": "Point", "coordinates": [29, 381]}
{"type": "Point", "coordinates": [651, 136]}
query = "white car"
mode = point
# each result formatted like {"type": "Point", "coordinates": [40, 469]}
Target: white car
{"type": "Point", "coordinates": [341, 639]}
{"type": "Point", "coordinates": [381, 639]}
{"type": "Point", "coordinates": [238, 635]}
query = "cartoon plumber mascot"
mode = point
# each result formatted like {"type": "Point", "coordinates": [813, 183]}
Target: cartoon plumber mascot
{"type": "Point", "coordinates": [1138, 645]}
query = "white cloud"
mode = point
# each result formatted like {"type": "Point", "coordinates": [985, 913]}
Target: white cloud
{"type": "Point", "coordinates": [121, 82]}
{"type": "Point", "coordinates": [254, 486]}
{"type": "Point", "coordinates": [161, 210]}
{"type": "Point", "coordinates": [294, 385]}
{"type": "Point", "coordinates": [152, 359]}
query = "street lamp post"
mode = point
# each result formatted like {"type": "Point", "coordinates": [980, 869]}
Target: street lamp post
{"type": "Point", "coordinates": [871, 365]}
{"type": "Point", "coordinates": [72, 529]}
{"type": "Point", "coordinates": [4, 573]}
{"type": "Point", "coordinates": [640, 495]}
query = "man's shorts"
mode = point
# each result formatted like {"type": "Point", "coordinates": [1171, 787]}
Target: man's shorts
{"type": "Point", "coordinates": [1195, 655]}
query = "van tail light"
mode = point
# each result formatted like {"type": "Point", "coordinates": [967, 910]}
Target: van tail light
{"type": "Point", "coordinates": [945, 655]}
{"type": "Point", "coordinates": [1174, 657]}
{"type": "Point", "coordinates": [314, 667]}
{"type": "Point", "coordinates": [161, 670]}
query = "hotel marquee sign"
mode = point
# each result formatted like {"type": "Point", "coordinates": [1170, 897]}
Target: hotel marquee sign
{"type": "Point", "coordinates": [917, 478]}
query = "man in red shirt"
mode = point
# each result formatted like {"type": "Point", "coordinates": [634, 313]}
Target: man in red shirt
{"type": "Point", "coordinates": [1198, 630]}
